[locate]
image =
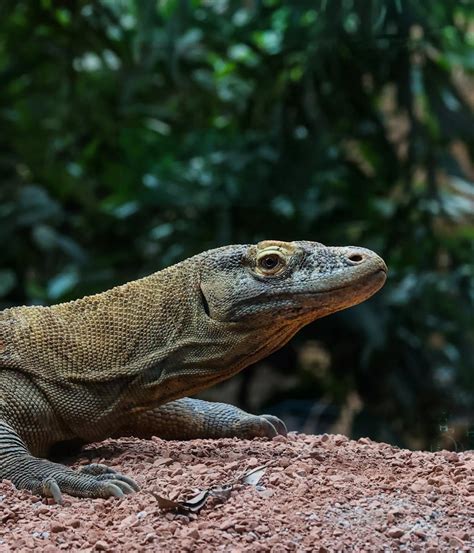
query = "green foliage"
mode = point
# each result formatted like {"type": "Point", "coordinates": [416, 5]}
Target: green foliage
{"type": "Point", "coordinates": [136, 133]}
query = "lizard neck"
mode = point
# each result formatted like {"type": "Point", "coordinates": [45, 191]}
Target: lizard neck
{"type": "Point", "coordinates": [151, 338]}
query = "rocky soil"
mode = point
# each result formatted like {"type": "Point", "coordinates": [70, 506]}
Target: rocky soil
{"type": "Point", "coordinates": [317, 493]}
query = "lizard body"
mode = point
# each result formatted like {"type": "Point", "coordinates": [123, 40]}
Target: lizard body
{"type": "Point", "coordinates": [121, 362]}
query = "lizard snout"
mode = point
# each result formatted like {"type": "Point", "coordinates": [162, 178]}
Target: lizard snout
{"type": "Point", "coordinates": [360, 256]}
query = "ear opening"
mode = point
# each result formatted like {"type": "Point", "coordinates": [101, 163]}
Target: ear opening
{"type": "Point", "coordinates": [204, 302]}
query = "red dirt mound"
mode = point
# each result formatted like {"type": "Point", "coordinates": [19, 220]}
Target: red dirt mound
{"type": "Point", "coordinates": [318, 493]}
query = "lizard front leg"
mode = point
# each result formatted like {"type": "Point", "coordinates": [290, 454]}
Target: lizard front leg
{"type": "Point", "coordinates": [187, 418]}
{"type": "Point", "coordinates": [43, 477]}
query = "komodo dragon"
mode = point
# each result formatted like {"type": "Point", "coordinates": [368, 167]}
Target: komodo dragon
{"type": "Point", "coordinates": [119, 363]}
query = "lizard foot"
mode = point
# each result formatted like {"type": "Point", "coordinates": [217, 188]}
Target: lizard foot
{"type": "Point", "coordinates": [92, 481]}
{"type": "Point", "coordinates": [43, 477]}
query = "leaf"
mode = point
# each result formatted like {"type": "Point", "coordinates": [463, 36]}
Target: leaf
{"type": "Point", "coordinates": [36, 205]}
{"type": "Point", "coordinates": [48, 238]}
{"type": "Point", "coordinates": [7, 281]}
{"type": "Point", "coordinates": [197, 502]}
{"type": "Point", "coordinates": [62, 283]}
{"type": "Point", "coordinates": [193, 505]}
{"type": "Point", "coordinates": [166, 504]}
{"type": "Point", "coordinates": [252, 478]}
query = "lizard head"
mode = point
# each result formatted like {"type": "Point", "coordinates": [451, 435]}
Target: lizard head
{"type": "Point", "coordinates": [296, 282]}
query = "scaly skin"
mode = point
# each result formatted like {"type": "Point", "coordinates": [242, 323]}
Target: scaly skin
{"type": "Point", "coordinates": [121, 362]}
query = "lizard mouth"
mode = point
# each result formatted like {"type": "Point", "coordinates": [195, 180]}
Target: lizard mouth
{"type": "Point", "coordinates": [321, 303]}
{"type": "Point", "coordinates": [356, 291]}
{"type": "Point", "coordinates": [378, 277]}
{"type": "Point", "coordinates": [325, 302]}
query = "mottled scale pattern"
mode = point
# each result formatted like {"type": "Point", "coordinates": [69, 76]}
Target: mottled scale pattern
{"type": "Point", "coordinates": [123, 361]}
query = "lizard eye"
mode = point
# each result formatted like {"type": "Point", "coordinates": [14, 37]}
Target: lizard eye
{"type": "Point", "coordinates": [270, 263]}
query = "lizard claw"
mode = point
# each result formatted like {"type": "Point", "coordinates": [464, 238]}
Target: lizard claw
{"type": "Point", "coordinates": [51, 489]}
{"type": "Point", "coordinates": [125, 484]}
{"type": "Point", "coordinates": [277, 423]}
{"type": "Point", "coordinates": [103, 472]}
{"type": "Point", "coordinates": [260, 426]}
{"type": "Point", "coordinates": [114, 490]}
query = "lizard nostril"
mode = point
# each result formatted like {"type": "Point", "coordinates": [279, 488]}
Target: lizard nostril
{"type": "Point", "coordinates": [356, 257]}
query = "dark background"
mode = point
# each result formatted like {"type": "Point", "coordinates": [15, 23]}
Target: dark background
{"type": "Point", "coordinates": [134, 134]}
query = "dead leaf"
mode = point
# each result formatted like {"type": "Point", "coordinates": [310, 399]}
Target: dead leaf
{"type": "Point", "coordinates": [253, 476]}
{"type": "Point", "coordinates": [197, 502]}
{"type": "Point", "coordinates": [166, 504]}
{"type": "Point", "coordinates": [192, 505]}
